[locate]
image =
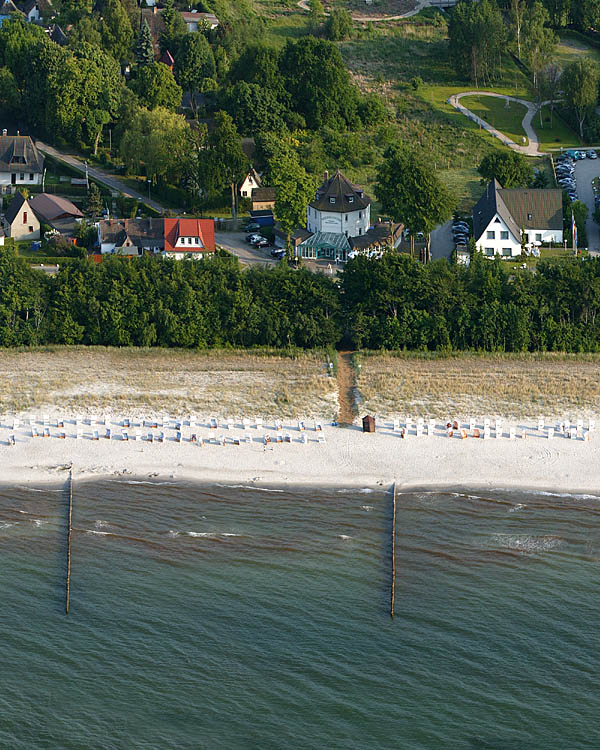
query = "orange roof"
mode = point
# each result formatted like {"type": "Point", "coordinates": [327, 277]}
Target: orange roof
{"type": "Point", "coordinates": [202, 228]}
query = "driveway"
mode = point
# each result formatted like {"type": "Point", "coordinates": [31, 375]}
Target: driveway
{"type": "Point", "coordinates": [234, 243]}
{"type": "Point", "coordinates": [442, 243]}
{"type": "Point", "coordinates": [585, 171]}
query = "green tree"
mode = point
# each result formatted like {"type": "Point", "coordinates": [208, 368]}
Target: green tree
{"type": "Point", "coordinates": [156, 87]}
{"type": "Point", "coordinates": [144, 46]}
{"type": "Point", "coordinates": [585, 14]}
{"type": "Point", "coordinates": [117, 34]}
{"type": "Point", "coordinates": [580, 88]}
{"type": "Point", "coordinates": [539, 42]}
{"type": "Point", "coordinates": [319, 84]}
{"type": "Point", "coordinates": [86, 30]}
{"type": "Point", "coordinates": [175, 30]}
{"type": "Point", "coordinates": [517, 12]}
{"type": "Point", "coordinates": [477, 40]}
{"type": "Point", "coordinates": [10, 96]}
{"type": "Point", "coordinates": [338, 25]}
{"type": "Point", "coordinates": [294, 190]}
{"type": "Point", "coordinates": [253, 108]}
{"type": "Point", "coordinates": [224, 163]}
{"type": "Point", "coordinates": [194, 62]}
{"type": "Point", "coordinates": [94, 201]}
{"type": "Point", "coordinates": [410, 192]}
{"type": "Point", "coordinates": [510, 168]}
{"type": "Point", "coordinates": [316, 16]}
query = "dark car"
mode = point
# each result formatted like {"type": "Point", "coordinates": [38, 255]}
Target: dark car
{"type": "Point", "coordinates": [251, 226]}
{"type": "Point", "coordinates": [261, 242]}
{"type": "Point", "coordinates": [278, 252]}
{"type": "Point", "coordinates": [252, 237]}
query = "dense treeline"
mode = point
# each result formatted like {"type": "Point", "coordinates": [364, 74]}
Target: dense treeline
{"type": "Point", "coordinates": [392, 303]}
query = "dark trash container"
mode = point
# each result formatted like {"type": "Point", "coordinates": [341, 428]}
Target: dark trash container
{"type": "Point", "coordinates": [368, 424]}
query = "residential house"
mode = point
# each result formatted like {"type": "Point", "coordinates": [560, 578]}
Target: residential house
{"type": "Point", "coordinates": [382, 236]}
{"type": "Point", "coordinates": [250, 183]}
{"type": "Point", "coordinates": [296, 237]}
{"type": "Point", "coordinates": [167, 59]}
{"type": "Point", "coordinates": [339, 207]}
{"type": "Point", "coordinates": [56, 211]}
{"type": "Point", "coordinates": [188, 238]}
{"type": "Point", "coordinates": [58, 35]}
{"type": "Point", "coordinates": [20, 222]}
{"type": "Point", "coordinates": [131, 236]}
{"type": "Point", "coordinates": [20, 161]}
{"type": "Point", "coordinates": [506, 219]}
{"type": "Point", "coordinates": [263, 198]}
{"type": "Point", "coordinates": [7, 8]}
{"type": "Point", "coordinates": [196, 21]}
{"type": "Point", "coordinates": [36, 10]}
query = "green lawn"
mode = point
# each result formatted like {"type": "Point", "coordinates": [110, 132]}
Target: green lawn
{"type": "Point", "coordinates": [554, 136]}
{"type": "Point", "coordinates": [571, 48]}
{"type": "Point", "coordinates": [507, 120]}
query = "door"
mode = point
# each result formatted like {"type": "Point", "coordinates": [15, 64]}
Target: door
{"type": "Point", "coordinates": [13, 179]}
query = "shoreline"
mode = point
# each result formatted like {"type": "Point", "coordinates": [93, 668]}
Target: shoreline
{"type": "Point", "coordinates": [347, 458]}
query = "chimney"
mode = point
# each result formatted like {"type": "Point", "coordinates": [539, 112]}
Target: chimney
{"type": "Point", "coordinates": [18, 132]}
{"type": "Point", "coordinates": [154, 9]}
{"type": "Point", "coordinates": [4, 131]}
{"type": "Point", "coordinates": [326, 175]}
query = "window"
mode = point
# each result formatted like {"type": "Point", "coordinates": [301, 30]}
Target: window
{"type": "Point", "coordinates": [359, 230]}
{"type": "Point", "coordinates": [491, 235]}
{"type": "Point", "coordinates": [189, 240]}
{"type": "Point", "coordinates": [197, 240]}
{"type": "Point", "coordinates": [24, 217]}
{"type": "Point", "coordinates": [503, 235]}
{"type": "Point", "coordinates": [506, 251]}
{"type": "Point", "coordinates": [346, 217]}
{"type": "Point", "coordinates": [538, 237]}
{"type": "Point", "coordinates": [360, 214]}
{"type": "Point", "coordinates": [351, 199]}
{"type": "Point", "coordinates": [31, 176]}
{"type": "Point", "coordinates": [332, 200]}
{"type": "Point", "coordinates": [529, 217]}
{"type": "Point", "coordinates": [21, 176]}
{"type": "Point", "coordinates": [489, 251]}
{"type": "Point", "coordinates": [30, 229]}
{"type": "Point", "coordinates": [497, 220]}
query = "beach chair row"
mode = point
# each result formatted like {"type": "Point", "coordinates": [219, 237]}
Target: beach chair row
{"type": "Point", "coordinates": [422, 427]}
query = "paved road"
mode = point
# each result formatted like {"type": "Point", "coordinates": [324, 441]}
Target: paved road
{"type": "Point", "coordinates": [114, 183]}
{"type": "Point", "coordinates": [532, 148]}
{"type": "Point", "coordinates": [234, 242]}
{"type": "Point", "coordinates": [585, 171]}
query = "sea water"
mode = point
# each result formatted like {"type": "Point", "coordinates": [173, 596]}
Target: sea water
{"type": "Point", "coordinates": [238, 617]}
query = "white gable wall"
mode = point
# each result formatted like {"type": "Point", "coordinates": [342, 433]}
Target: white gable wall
{"type": "Point", "coordinates": [352, 224]}
{"type": "Point", "coordinates": [504, 243]}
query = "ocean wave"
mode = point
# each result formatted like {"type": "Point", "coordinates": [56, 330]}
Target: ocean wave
{"type": "Point", "coordinates": [101, 524]}
{"type": "Point", "coordinates": [147, 481]}
{"type": "Point", "coordinates": [517, 507]}
{"type": "Point", "coordinates": [7, 525]}
{"type": "Point", "coordinates": [362, 491]}
{"type": "Point", "coordinates": [573, 495]}
{"type": "Point", "coordinates": [208, 533]}
{"type": "Point", "coordinates": [344, 536]}
{"type": "Point", "coordinates": [248, 487]}
{"type": "Point", "coordinates": [367, 507]}
{"type": "Point", "coordinates": [96, 533]}
{"type": "Point", "coordinates": [37, 489]}
{"type": "Point", "coordinates": [39, 522]}
{"type": "Point", "coordinates": [527, 543]}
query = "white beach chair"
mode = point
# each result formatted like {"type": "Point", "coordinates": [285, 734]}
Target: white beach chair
{"type": "Point", "coordinates": [301, 425]}
{"type": "Point", "coordinates": [279, 437]}
{"type": "Point", "coordinates": [46, 420]}
{"type": "Point", "coordinates": [278, 425]}
{"type": "Point", "coordinates": [259, 423]}
{"type": "Point", "coordinates": [192, 420]}
{"type": "Point", "coordinates": [31, 420]}
{"type": "Point", "coordinates": [591, 425]}
{"type": "Point", "coordinates": [213, 423]}
{"type": "Point", "coordinates": [419, 430]}
{"type": "Point", "coordinates": [165, 420]}
{"type": "Point", "coordinates": [127, 422]}
{"type": "Point", "coordinates": [471, 424]}
{"type": "Point", "coordinates": [487, 433]}
{"type": "Point", "coordinates": [550, 433]}
{"type": "Point", "coordinates": [79, 433]}
{"type": "Point", "coordinates": [106, 420]}
{"type": "Point", "coordinates": [248, 437]}
{"type": "Point", "coordinates": [62, 435]}
{"type": "Point", "coordinates": [420, 422]}
{"type": "Point", "coordinates": [229, 423]}
{"type": "Point", "coordinates": [161, 437]}
{"type": "Point", "coordinates": [34, 432]}
{"type": "Point", "coordinates": [304, 438]}
{"type": "Point", "coordinates": [318, 427]}
{"type": "Point", "coordinates": [288, 437]}
{"type": "Point", "coordinates": [16, 423]}
{"type": "Point", "coordinates": [178, 436]}
{"type": "Point", "coordinates": [245, 423]}
{"type": "Point", "coordinates": [138, 435]}
{"type": "Point", "coordinates": [580, 425]}
{"type": "Point", "coordinates": [107, 433]}
{"type": "Point", "coordinates": [573, 433]}
{"type": "Point", "coordinates": [93, 421]}
{"type": "Point", "coordinates": [431, 427]}
{"type": "Point", "coordinates": [150, 437]}
{"type": "Point", "coordinates": [321, 438]}
{"type": "Point", "coordinates": [125, 435]}
{"type": "Point", "coordinates": [95, 435]}
{"type": "Point", "coordinates": [60, 422]}
{"type": "Point", "coordinates": [541, 424]}
{"type": "Point", "coordinates": [221, 439]}
{"type": "Point", "coordinates": [511, 433]}
{"type": "Point", "coordinates": [498, 425]}
{"type": "Point", "coordinates": [408, 423]}
{"type": "Point", "coordinates": [396, 425]}
{"type": "Point", "coordinates": [486, 424]}
{"type": "Point", "coordinates": [236, 441]}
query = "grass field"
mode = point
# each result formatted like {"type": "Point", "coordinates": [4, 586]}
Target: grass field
{"type": "Point", "coordinates": [556, 135]}
{"type": "Point", "coordinates": [571, 48]}
{"type": "Point", "coordinates": [141, 381]}
{"type": "Point", "coordinates": [513, 386]}
{"type": "Point", "coordinates": [507, 120]}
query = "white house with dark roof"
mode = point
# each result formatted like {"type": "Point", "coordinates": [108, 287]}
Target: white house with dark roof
{"type": "Point", "coordinates": [505, 219]}
{"type": "Point", "coordinates": [20, 222]}
{"type": "Point", "coordinates": [339, 207]}
{"type": "Point", "coordinates": [20, 161]}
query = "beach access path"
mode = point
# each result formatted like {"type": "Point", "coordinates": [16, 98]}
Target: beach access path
{"type": "Point", "coordinates": [99, 175]}
{"type": "Point", "coordinates": [532, 148]}
{"type": "Point", "coordinates": [348, 457]}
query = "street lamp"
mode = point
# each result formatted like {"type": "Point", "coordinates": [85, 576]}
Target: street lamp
{"type": "Point", "coordinates": [149, 181]}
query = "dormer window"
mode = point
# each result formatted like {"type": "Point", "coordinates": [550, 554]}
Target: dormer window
{"type": "Point", "coordinates": [332, 200]}
{"type": "Point", "coordinates": [529, 217]}
{"type": "Point", "coordinates": [351, 199]}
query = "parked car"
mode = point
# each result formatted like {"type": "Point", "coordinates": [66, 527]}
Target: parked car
{"type": "Point", "coordinates": [278, 252]}
{"type": "Point", "coordinates": [251, 226]}
{"type": "Point", "coordinates": [252, 237]}
{"type": "Point", "coordinates": [261, 242]}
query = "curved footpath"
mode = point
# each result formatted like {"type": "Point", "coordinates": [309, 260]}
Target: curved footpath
{"type": "Point", "coordinates": [532, 149]}
{"type": "Point", "coordinates": [363, 19]}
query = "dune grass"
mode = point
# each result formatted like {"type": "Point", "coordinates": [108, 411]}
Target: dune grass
{"type": "Point", "coordinates": [512, 386]}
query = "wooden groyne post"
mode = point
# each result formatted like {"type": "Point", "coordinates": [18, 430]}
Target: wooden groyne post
{"type": "Point", "coordinates": [393, 591]}
{"type": "Point", "coordinates": [69, 532]}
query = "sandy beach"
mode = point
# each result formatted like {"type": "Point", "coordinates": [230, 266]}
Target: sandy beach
{"type": "Point", "coordinates": [347, 457]}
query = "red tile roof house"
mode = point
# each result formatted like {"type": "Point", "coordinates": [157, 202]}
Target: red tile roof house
{"type": "Point", "coordinates": [189, 238]}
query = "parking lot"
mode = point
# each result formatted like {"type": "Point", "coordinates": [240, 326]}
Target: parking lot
{"type": "Point", "coordinates": [235, 243]}
{"type": "Point", "coordinates": [585, 171]}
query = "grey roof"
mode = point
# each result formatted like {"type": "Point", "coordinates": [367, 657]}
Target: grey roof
{"type": "Point", "coordinates": [346, 196]}
{"type": "Point", "coordinates": [515, 206]}
{"type": "Point", "coordinates": [327, 239]}
{"type": "Point", "coordinates": [382, 234]}
{"type": "Point", "coordinates": [8, 7]}
{"type": "Point", "coordinates": [141, 232]}
{"type": "Point", "coordinates": [260, 212]}
{"type": "Point", "coordinates": [262, 194]}
{"type": "Point", "coordinates": [18, 153]}
{"type": "Point", "coordinates": [52, 207]}
{"type": "Point", "coordinates": [58, 35]}
{"type": "Point", "coordinates": [299, 234]}
{"type": "Point", "coordinates": [14, 208]}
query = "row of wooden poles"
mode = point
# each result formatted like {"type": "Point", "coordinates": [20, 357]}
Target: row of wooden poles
{"type": "Point", "coordinates": [70, 531]}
